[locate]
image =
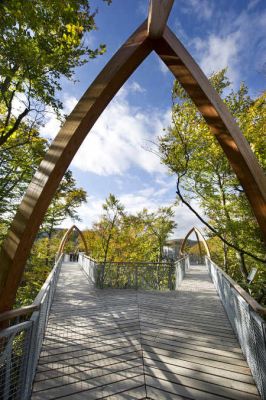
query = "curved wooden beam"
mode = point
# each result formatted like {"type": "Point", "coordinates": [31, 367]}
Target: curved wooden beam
{"type": "Point", "coordinates": [198, 235]}
{"type": "Point", "coordinates": [159, 11]}
{"type": "Point", "coordinates": [29, 216]}
{"type": "Point", "coordinates": [66, 237]}
{"type": "Point", "coordinates": [219, 119]}
{"type": "Point", "coordinates": [37, 198]}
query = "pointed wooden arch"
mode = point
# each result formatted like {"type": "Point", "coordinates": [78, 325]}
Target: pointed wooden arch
{"type": "Point", "coordinates": [66, 237]}
{"type": "Point", "coordinates": [199, 235]}
{"type": "Point", "coordinates": [148, 37]}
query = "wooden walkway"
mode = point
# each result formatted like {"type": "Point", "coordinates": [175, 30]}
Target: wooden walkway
{"type": "Point", "coordinates": [126, 344]}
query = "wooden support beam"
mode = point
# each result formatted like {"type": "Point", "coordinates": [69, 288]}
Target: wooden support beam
{"type": "Point", "coordinates": [219, 119]}
{"type": "Point", "coordinates": [159, 11]}
{"type": "Point", "coordinates": [37, 198]}
{"type": "Point", "coordinates": [66, 237]}
{"type": "Point", "coordinates": [198, 235]}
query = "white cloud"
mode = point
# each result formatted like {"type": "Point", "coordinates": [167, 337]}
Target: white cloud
{"type": "Point", "coordinates": [203, 9]}
{"type": "Point", "coordinates": [117, 140]}
{"type": "Point", "coordinates": [120, 137]}
{"type": "Point", "coordinates": [186, 220]}
{"type": "Point", "coordinates": [219, 52]}
{"type": "Point", "coordinates": [252, 4]}
{"type": "Point", "coordinates": [52, 126]}
{"type": "Point", "coordinates": [135, 87]}
{"type": "Point", "coordinates": [237, 42]}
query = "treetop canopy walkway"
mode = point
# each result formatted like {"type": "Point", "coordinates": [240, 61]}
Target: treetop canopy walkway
{"type": "Point", "coordinates": [78, 341]}
{"type": "Point", "coordinates": [179, 343]}
{"type": "Point", "coordinates": [152, 35]}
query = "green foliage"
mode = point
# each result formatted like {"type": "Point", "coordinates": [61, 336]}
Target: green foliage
{"type": "Point", "coordinates": [64, 204]}
{"type": "Point", "coordinates": [41, 42]}
{"type": "Point", "coordinates": [19, 158]}
{"type": "Point", "coordinates": [37, 269]}
{"type": "Point", "coordinates": [119, 236]}
{"type": "Point", "coordinates": [203, 172]}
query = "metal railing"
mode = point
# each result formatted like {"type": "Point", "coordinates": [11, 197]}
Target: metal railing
{"type": "Point", "coordinates": [135, 275]}
{"type": "Point", "coordinates": [89, 266]}
{"type": "Point", "coordinates": [20, 343]}
{"type": "Point", "coordinates": [243, 312]}
{"type": "Point", "coordinates": [181, 267]}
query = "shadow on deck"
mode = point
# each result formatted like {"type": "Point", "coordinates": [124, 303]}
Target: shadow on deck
{"type": "Point", "coordinates": [127, 344]}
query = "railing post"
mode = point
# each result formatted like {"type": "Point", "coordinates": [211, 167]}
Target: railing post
{"type": "Point", "coordinates": [32, 356]}
{"type": "Point", "coordinates": [8, 370]}
{"type": "Point", "coordinates": [176, 275]}
{"type": "Point", "coordinates": [170, 275]}
{"type": "Point", "coordinates": [136, 276]}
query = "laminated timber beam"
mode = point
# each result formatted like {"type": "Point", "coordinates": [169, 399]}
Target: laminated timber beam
{"type": "Point", "coordinates": [67, 236]}
{"type": "Point", "coordinates": [198, 236]}
{"type": "Point", "coordinates": [45, 182]}
{"type": "Point", "coordinates": [159, 11]}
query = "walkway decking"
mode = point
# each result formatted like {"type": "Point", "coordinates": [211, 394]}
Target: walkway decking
{"type": "Point", "coordinates": [125, 344]}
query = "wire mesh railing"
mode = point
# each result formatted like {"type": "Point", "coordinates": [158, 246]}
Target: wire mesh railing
{"type": "Point", "coordinates": [181, 267]}
{"type": "Point", "coordinates": [243, 313]}
{"type": "Point", "coordinates": [135, 275]}
{"type": "Point", "coordinates": [89, 266]}
{"type": "Point", "coordinates": [20, 343]}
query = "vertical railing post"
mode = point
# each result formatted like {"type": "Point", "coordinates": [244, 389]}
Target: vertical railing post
{"type": "Point", "coordinates": [32, 355]}
{"type": "Point", "coordinates": [136, 276]}
{"type": "Point", "coordinates": [170, 275]}
{"type": "Point", "coordinates": [8, 359]}
{"type": "Point", "coordinates": [176, 275]}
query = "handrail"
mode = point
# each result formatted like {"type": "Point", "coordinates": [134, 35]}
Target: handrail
{"type": "Point", "coordinates": [18, 312]}
{"type": "Point", "coordinates": [252, 302]}
{"type": "Point", "coordinates": [136, 262]}
{"type": "Point", "coordinates": [89, 257]}
{"type": "Point", "coordinates": [35, 305]}
{"type": "Point", "coordinates": [182, 258]}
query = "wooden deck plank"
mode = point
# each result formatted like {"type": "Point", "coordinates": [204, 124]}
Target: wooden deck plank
{"type": "Point", "coordinates": [127, 344]}
{"type": "Point", "coordinates": [218, 372]}
{"type": "Point", "coordinates": [188, 382]}
{"type": "Point", "coordinates": [208, 377]}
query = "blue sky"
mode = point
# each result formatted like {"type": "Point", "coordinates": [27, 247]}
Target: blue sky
{"type": "Point", "coordinates": [114, 156]}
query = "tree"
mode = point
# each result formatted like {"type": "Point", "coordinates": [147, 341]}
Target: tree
{"type": "Point", "coordinates": [64, 204]}
{"type": "Point", "coordinates": [203, 172]}
{"type": "Point", "coordinates": [40, 43]}
{"type": "Point", "coordinates": [18, 161]}
{"type": "Point", "coordinates": [119, 236]}
{"type": "Point", "coordinates": [108, 225]}
{"type": "Point", "coordinates": [161, 225]}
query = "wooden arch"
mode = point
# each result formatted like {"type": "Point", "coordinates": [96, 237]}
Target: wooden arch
{"type": "Point", "coordinates": [66, 237]}
{"type": "Point", "coordinates": [153, 34]}
{"type": "Point", "coordinates": [199, 235]}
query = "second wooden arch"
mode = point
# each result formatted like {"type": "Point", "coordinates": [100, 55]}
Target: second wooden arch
{"type": "Point", "coordinates": [199, 235]}
{"type": "Point", "coordinates": [67, 236]}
